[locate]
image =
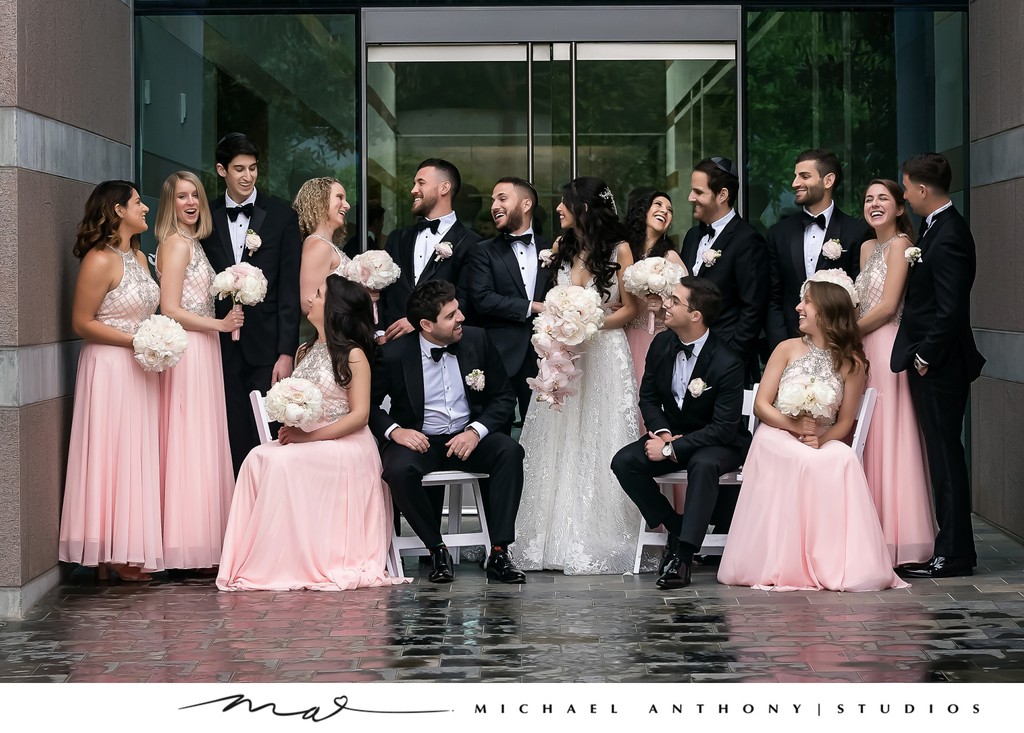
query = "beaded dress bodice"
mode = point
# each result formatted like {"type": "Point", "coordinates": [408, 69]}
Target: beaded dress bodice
{"type": "Point", "coordinates": [871, 282]}
{"type": "Point", "coordinates": [195, 290]}
{"type": "Point", "coordinates": [816, 363]}
{"type": "Point", "coordinates": [316, 367]}
{"type": "Point", "coordinates": [134, 299]}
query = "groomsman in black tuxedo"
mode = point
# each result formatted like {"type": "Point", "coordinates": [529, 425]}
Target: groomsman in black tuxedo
{"type": "Point", "coordinates": [264, 352]}
{"type": "Point", "coordinates": [729, 252]}
{"type": "Point", "coordinates": [691, 399]}
{"type": "Point", "coordinates": [507, 282]}
{"type": "Point", "coordinates": [450, 399]}
{"type": "Point", "coordinates": [935, 345]}
{"type": "Point", "coordinates": [800, 245]}
{"type": "Point", "coordinates": [435, 248]}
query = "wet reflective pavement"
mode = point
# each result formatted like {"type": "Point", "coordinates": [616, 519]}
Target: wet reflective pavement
{"type": "Point", "coordinates": [552, 629]}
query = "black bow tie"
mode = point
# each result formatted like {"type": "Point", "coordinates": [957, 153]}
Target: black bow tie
{"type": "Point", "coordinates": [706, 230]}
{"type": "Point", "coordinates": [678, 346]}
{"type": "Point", "coordinates": [807, 219]}
{"type": "Point", "coordinates": [524, 238]}
{"type": "Point", "coordinates": [431, 224]}
{"type": "Point", "coordinates": [438, 351]}
{"type": "Point", "coordinates": [234, 211]}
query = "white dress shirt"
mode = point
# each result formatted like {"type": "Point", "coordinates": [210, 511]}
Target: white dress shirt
{"type": "Point", "coordinates": [706, 241]}
{"type": "Point", "coordinates": [425, 241]}
{"type": "Point", "coordinates": [239, 226]}
{"type": "Point", "coordinates": [445, 406]}
{"type": "Point", "coordinates": [684, 368]}
{"type": "Point", "coordinates": [814, 238]}
{"type": "Point", "coordinates": [931, 217]}
{"type": "Point", "coordinates": [526, 254]}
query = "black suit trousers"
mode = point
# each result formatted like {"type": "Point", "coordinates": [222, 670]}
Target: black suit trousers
{"type": "Point", "coordinates": [704, 465]}
{"type": "Point", "coordinates": [240, 378]}
{"type": "Point", "coordinates": [497, 455]}
{"type": "Point", "coordinates": [940, 401]}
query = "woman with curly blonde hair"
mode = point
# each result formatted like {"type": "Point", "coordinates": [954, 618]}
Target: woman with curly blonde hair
{"type": "Point", "coordinates": [805, 519]}
{"type": "Point", "coordinates": [111, 512]}
{"type": "Point", "coordinates": [322, 206]}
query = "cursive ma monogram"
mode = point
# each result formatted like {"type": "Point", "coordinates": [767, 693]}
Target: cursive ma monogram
{"type": "Point", "coordinates": [313, 714]}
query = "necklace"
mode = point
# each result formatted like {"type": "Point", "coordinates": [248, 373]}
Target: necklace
{"type": "Point", "coordinates": [186, 235]}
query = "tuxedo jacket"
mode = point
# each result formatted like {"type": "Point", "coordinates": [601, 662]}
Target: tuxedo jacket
{"type": "Point", "coordinates": [498, 298]}
{"type": "Point", "coordinates": [786, 264]}
{"type": "Point", "coordinates": [398, 372]}
{"type": "Point", "coordinates": [271, 327]}
{"type": "Point", "coordinates": [715, 418]}
{"type": "Point", "coordinates": [741, 273]}
{"type": "Point", "coordinates": [401, 245]}
{"type": "Point", "coordinates": [936, 322]}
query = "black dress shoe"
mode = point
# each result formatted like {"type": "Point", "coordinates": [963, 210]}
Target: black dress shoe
{"type": "Point", "coordinates": [675, 575]}
{"type": "Point", "coordinates": [500, 567]}
{"type": "Point", "coordinates": [441, 568]}
{"type": "Point", "coordinates": [671, 548]}
{"type": "Point", "coordinates": [937, 567]}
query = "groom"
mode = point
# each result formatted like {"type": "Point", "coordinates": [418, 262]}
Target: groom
{"type": "Point", "coordinates": [450, 398]}
{"type": "Point", "coordinates": [935, 345]}
{"type": "Point", "coordinates": [691, 399]}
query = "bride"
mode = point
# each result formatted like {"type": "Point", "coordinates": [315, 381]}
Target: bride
{"type": "Point", "coordinates": [573, 515]}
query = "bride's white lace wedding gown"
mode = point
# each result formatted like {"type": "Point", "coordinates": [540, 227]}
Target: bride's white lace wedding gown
{"type": "Point", "coordinates": [574, 516]}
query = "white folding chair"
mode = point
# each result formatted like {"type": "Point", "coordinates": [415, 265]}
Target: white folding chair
{"type": "Point", "coordinates": [713, 543]}
{"type": "Point", "coordinates": [454, 538]}
{"type": "Point", "coordinates": [259, 414]}
{"type": "Point", "coordinates": [864, 413]}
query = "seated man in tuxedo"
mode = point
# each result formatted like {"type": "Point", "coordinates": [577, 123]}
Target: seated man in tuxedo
{"type": "Point", "coordinates": [507, 283]}
{"type": "Point", "coordinates": [691, 399]}
{"type": "Point", "coordinates": [450, 397]}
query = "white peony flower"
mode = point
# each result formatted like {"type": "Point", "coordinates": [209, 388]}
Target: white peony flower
{"type": "Point", "coordinates": [242, 282]}
{"type": "Point", "coordinates": [295, 401]}
{"type": "Point", "coordinates": [159, 343]}
{"type": "Point", "coordinates": [652, 276]}
{"type": "Point", "coordinates": [374, 269]}
{"type": "Point", "coordinates": [832, 249]}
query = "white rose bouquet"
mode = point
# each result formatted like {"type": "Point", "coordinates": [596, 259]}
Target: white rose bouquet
{"type": "Point", "coordinates": [571, 316]}
{"type": "Point", "coordinates": [159, 343]}
{"type": "Point", "coordinates": [806, 395]}
{"type": "Point", "coordinates": [652, 276]}
{"type": "Point", "coordinates": [243, 283]}
{"type": "Point", "coordinates": [295, 401]}
{"type": "Point", "coordinates": [374, 269]}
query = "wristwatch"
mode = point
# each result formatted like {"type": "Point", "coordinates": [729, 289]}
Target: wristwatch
{"type": "Point", "coordinates": [666, 450]}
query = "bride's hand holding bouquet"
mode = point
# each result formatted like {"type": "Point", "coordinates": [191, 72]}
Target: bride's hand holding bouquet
{"type": "Point", "coordinates": [245, 284]}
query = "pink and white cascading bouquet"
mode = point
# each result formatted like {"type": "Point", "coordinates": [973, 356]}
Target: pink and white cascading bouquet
{"type": "Point", "coordinates": [295, 402]}
{"type": "Point", "coordinates": [159, 343]}
{"type": "Point", "coordinates": [571, 315]}
{"type": "Point", "coordinates": [805, 394]}
{"type": "Point", "coordinates": [243, 283]}
{"type": "Point", "coordinates": [652, 276]}
{"type": "Point", "coordinates": [374, 270]}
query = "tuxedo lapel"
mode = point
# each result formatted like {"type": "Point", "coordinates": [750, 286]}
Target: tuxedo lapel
{"type": "Point", "coordinates": [689, 252]}
{"type": "Point", "coordinates": [723, 239]}
{"type": "Point", "coordinates": [412, 373]}
{"type": "Point", "coordinates": [834, 231]}
{"type": "Point", "coordinates": [700, 368]}
{"type": "Point", "coordinates": [509, 258]}
{"type": "Point", "coordinates": [259, 214]}
{"type": "Point", "coordinates": [796, 247]}
{"type": "Point", "coordinates": [220, 225]}
{"type": "Point", "coordinates": [406, 251]}
{"type": "Point", "coordinates": [454, 236]}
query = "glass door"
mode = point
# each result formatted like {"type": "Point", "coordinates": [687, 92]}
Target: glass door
{"type": "Point", "coordinates": [638, 114]}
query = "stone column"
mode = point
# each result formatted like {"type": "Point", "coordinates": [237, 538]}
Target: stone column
{"type": "Point", "coordinates": [66, 123]}
{"type": "Point", "coordinates": [997, 220]}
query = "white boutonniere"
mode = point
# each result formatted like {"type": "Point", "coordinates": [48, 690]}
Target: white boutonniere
{"type": "Point", "coordinates": [545, 256]}
{"type": "Point", "coordinates": [252, 241]}
{"type": "Point", "coordinates": [832, 249]}
{"type": "Point", "coordinates": [710, 256]}
{"type": "Point", "coordinates": [475, 380]}
{"type": "Point", "coordinates": [443, 251]}
{"type": "Point", "coordinates": [912, 255]}
{"type": "Point", "coordinates": [697, 387]}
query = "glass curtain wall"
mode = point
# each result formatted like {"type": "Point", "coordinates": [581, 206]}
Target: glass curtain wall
{"type": "Point", "coordinates": [288, 81]}
{"type": "Point", "coordinates": [875, 86]}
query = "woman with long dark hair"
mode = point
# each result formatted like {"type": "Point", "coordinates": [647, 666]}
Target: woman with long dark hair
{"type": "Point", "coordinates": [573, 516]}
{"type": "Point", "coordinates": [310, 509]}
{"type": "Point", "coordinates": [111, 513]}
{"type": "Point", "coordinates": [894, 458]}
{"type": "Point", "coordinates": [805, 519]}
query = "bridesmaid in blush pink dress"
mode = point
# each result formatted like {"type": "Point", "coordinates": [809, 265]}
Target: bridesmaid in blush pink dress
{"type": "Point", "coordinates": [111, 513]}
{"type": "Point", "coordinates": [310, 509]}
{"type": "Point", "coordinates": [195, 456]}
{"type": "Point", "coordinates": [894, 458]}
{"type": "Point", "coordinates": [648, 221]}
{"type": "Point", "coordinates": [322, 206]}
{"type": "Point", "coordinates": [805, 519]}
